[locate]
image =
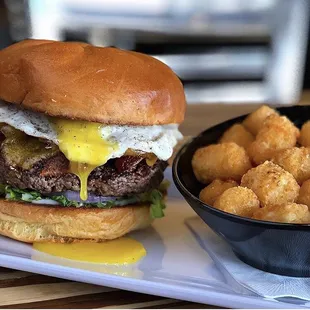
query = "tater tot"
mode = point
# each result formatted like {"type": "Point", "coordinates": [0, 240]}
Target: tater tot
{"type": "Point", "coordinates": [296, 161]}
{"type": "Point", "coordinates": [281, 121]}
{"type": "Point", "coordinates": [304, 138]}
{"type": "Point", "coordinates": [255, 120]}
{"type": "Point", "coordinates": [220, 161]}
{"type": "Point", "coordinates": [304, 194]}
{"type": "Point", "coordinates": [238, 134]}
{"type": "Point", "coordinates": [278, 133]}
{"type": "Point", "coordinates": [211, 192]}
{"type": "Point", "coordinates": [272, 184]}
{"type": "Point", "coordinates": [238, 200]}
{"type": "Point", "coordinates": [288, 213]}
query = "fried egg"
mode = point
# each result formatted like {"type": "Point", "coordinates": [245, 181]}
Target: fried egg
{"type": "Point", "coordinates": [88, 145]}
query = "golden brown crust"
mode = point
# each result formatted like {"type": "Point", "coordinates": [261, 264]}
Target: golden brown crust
{"type": "Point", "coordinates": [287, 213]}
{"type": "Point", "coordinates": [304, 138]}
{"type": "Point", "coordinates": [272, 184]}
{"type": "Point", "coordinates": [28, 222]}
{"type": "Point", "coordinates": [79, 81]}
{"type": "Point", "coordinates": [225, 161]}
{"type": "Point", "coordinates": [238, 200]}
{"type": "Point", "coordinates": [214, 190]}
{"type": "Point", "coordinates": [278, 133]}
{"type": "Point", "coordinates": [238, 134]}
{"type": "Point", "coordinates": [295, 160]}
{"type": "Point", "coordinates": [304, 194]}
{"type": "Point", "coordinates": [255, 121]}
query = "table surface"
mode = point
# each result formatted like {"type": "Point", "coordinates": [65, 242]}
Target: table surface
{"type": "Point", "coordinates": [25, 290]}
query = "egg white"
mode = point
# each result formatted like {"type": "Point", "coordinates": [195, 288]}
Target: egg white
{"type": "Point", "coordinates": [158, 139]}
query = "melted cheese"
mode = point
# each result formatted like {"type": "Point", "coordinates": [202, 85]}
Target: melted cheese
{"type": "Point", "coordinates": [83, 145]}
{"type": "Point", "coordinates": [151, 160]}
{"type": "Point", "coordinates": [22, 150]}
{"type": "Point", "coordinates": [116, 252]}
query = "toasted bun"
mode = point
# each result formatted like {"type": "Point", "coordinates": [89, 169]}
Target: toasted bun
{"type": "Point", "coordinates": [37, 223]}
{"type": "Point", "coordinates": [100, 84]}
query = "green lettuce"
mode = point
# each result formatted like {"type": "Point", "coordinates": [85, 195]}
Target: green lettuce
{"type": "Point", "coordinates": [154, 197]}
{"type": "Point", "coordinates": [20, 194]}
{"type": "Point", "coordinates": [163, 186]}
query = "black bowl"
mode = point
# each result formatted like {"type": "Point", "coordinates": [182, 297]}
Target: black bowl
{"type": "Point", "coordinates": [273, 247]}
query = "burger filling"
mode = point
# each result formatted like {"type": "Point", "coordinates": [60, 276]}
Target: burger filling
{"type": "Point", "coordinates": [82, 164]}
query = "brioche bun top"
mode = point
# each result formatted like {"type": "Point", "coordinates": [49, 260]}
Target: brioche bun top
{"type": "Point", "coordinates": [99, 84]}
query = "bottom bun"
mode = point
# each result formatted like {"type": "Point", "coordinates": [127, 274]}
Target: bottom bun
{"type": "Point", "coordinates": [29, 222]}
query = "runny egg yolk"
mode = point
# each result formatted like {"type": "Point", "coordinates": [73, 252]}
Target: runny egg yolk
{"type": "Point", "coordinates": [83, 145]}
{"type": "Point", "coordinates": [115, 252]}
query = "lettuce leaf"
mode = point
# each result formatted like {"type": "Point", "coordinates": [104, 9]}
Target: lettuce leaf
{"type": "Point", "coordinates": [20, 194]}
{"type": "Point", "coordinates": [154, 197]}
{"type": "Point", "coordinates": [157, 204]}
{"type": "Point", "coordinates": [64, 201]}
{"type": "Point", "coordinates": [164, 185]}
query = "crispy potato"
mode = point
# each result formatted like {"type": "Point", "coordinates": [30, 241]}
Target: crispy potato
{"type": "Point", "coordinates": [278, 133]}
{"type": "Point", "coordinates": [220, 161]}
{"type": "Point", "coordinates": [272, 184]}
{"type": "Point", "coordinates": [304, 138]}
{"type": "Point", "coordinates": [211, 192]}
{"type": "Point", "coordinates": [288, 213]}
{"type": "Point", "coordinates": [255, 120]}
{"type": "Point", "coordinates": [296, 161]}
{"type": "Point", "coordinates": [304, 194]}
{"type": "Point", "coordinates": [238, 134]}
{"type": "Point", "coordinates": [281, 121]}
{"type": "Point", "coordinates": [238, 200]}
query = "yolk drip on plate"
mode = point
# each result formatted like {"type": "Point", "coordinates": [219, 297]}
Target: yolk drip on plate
{"type": "Point", "coordinates": [117, 252]}
{"type": "Point", "coordinates": [83, 145]}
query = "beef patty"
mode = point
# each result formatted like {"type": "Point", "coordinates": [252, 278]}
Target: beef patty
{"type": "Point", "coordinates": [118, 177]}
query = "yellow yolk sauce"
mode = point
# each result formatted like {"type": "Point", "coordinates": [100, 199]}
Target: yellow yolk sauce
{"type": "Point", "coordinates": [83, 145]}
{"type": "Point", "coordinates": [117, 252]}
{"type": "Point", "coordinates": [82, 170]}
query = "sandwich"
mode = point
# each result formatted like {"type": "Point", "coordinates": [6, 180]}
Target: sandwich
{"type": "Point", "coordinates": [86, 133]}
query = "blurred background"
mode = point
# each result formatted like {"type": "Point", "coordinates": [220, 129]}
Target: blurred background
{"type": "Point", "coordinates": [224, 51]}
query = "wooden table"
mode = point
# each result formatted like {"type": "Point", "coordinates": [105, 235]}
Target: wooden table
{"type": "Point", "coordinates": [25, 290]}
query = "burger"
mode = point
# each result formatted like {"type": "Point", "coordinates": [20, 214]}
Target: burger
{"type": "Point", "coordinates": [86, 133]}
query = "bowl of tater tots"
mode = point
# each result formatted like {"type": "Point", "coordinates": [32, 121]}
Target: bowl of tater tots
{"type": "Point", "coordinates": [249, 180]}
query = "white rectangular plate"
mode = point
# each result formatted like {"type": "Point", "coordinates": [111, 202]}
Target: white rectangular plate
{"type": "Point", "coordinates": [176, 266]}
